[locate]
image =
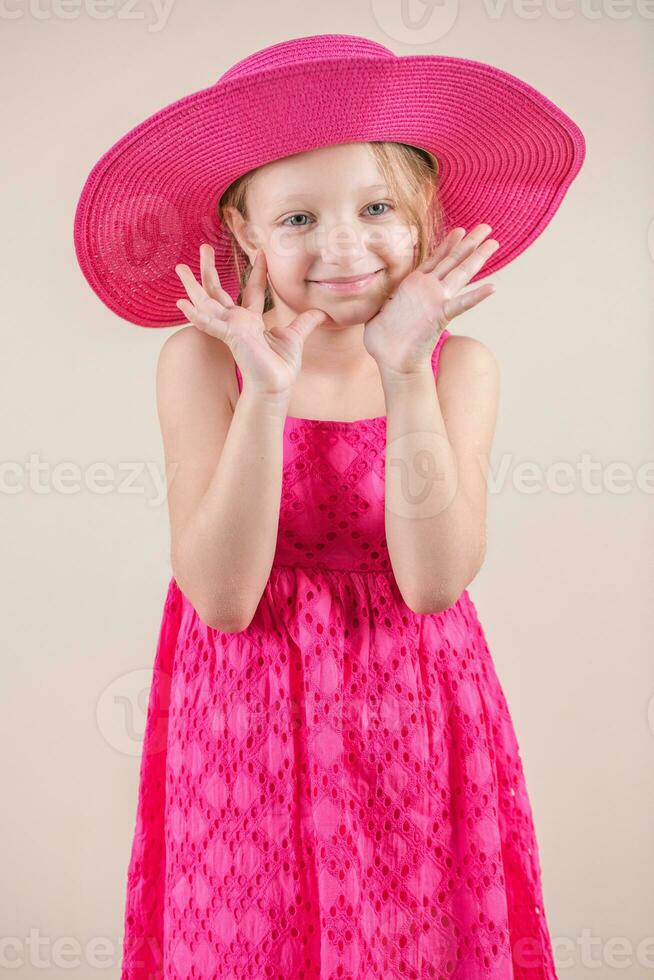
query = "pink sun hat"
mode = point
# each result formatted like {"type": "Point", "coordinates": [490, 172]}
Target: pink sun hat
{"type": "Point", "coordinates": [507, 155]}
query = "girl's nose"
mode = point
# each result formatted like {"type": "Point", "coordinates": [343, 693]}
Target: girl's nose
{"type": "Point", "coordinates": [341, 247]}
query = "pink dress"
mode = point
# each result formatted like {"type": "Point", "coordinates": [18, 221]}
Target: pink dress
{"type": "Point", "coordinates": [336, 791]}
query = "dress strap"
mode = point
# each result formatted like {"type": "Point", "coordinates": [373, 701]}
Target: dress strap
{"type": "Point", "coordinates": [435, 357]}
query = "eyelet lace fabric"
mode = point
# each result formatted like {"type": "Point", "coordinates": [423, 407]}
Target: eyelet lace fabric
{"type": "Point", "coordinates": [336, 791]}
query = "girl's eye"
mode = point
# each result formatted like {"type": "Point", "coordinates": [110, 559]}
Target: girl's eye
{"type": "Point", "coordinates": [301, 214]}
{"type": "Point", "coordinates": [379, 204]}
{"type": "Point", "coordinates": [294, 216]}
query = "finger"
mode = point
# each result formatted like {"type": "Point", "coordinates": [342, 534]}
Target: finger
{"type": "Point", "coordinates": [443, 247]}
{"type": "Point", "coordinates": [452, 239]}
{"type": "Point", "coordinates": [464, 272]}
{"type": "Point", "coordinates": [465, 301]}
{"type": "Point", "coordinates": [210, 277]}
{"type": "Point", "coordinates": [462, 250]}
{"type": "Point", "coordinates": [210, 324]}
{"type": "Point", "coordinates": [196, 293]}
{"type": "Point", "coordinates": [255, 291]}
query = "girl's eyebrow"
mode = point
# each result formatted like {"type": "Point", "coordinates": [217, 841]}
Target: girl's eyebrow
{"type": "Point", "coordinates": [299, 195]}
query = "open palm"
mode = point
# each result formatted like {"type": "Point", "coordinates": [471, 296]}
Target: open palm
{"type": "Point", "coordinates": [403, 334]}
{"type": "Point", "coordinates": [270, 359]}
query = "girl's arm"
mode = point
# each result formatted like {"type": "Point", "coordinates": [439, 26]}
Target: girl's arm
{"type": "Point", "coordinates": [438, 446]}
{"type": "Point", "coordinates": [224, 471]}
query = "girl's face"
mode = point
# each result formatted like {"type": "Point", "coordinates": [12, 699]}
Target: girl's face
{"type": "Point", "coordinates": [323, 215]}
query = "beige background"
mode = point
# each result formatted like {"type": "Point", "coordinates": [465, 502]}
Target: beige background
{"type": "Point", "coordinates": [565, 593]}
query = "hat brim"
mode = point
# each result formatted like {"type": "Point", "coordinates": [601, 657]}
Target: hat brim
{"type": "Point", "coordinates": [506, 153]}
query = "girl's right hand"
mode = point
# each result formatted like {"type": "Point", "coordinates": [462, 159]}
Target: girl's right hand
{"type": "Point", "coordinates": [269, 360]}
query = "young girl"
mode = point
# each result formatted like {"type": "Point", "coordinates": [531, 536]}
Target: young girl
{"type": "Point", "coordinates": [331, 785]}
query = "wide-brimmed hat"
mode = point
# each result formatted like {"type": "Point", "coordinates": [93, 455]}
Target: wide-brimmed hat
{"type": "Point", "coordinates": [506, 156]}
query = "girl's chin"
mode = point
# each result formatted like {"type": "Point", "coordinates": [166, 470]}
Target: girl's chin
{"type": "Point", "coordinates": [347, 315]}
{"type": "Point", "coordinates": [352, 307]}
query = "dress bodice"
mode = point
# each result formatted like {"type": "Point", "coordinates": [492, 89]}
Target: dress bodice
{"type": "Point", "coordinates": [333, 490]}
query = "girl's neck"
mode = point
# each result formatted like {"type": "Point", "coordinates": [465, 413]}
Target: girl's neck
{"type": "Point", "coordinates": [331, 349]}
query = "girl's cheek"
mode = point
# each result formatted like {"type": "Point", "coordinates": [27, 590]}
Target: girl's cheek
{"type": "Point", "coordinates": [287, 281]}
{"type": "Point", "coordinates": [286, 250]}
{"type": "Point", "coordinates": [407, 244]}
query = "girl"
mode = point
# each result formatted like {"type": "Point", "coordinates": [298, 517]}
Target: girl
{"type": "Point", "coordinates": [331, 785]}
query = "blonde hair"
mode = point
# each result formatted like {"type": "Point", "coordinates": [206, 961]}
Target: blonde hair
{"type": "Point", "coordinates": [411, 174]}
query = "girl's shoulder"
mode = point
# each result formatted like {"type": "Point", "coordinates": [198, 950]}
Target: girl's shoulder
{"type": "Point", "coordinates": [468, 383]}
{"type": "Point", "coordinates": [462, 357]}
{"type": "Point", "coordinates": [204, 361]}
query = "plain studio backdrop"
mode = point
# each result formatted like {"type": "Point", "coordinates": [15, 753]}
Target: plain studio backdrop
{"type": "Point", "coordinates": [565, 595]}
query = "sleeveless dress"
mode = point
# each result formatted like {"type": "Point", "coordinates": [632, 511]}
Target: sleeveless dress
{"type": "Point", "coordinates": [336, 791]}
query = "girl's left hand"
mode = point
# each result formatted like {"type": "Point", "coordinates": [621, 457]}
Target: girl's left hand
{"type": "Point", "coordinates": [403, 334]}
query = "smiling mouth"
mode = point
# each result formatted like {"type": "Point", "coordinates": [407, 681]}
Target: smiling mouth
{"type": "Point", "coordinates": [346, 284]}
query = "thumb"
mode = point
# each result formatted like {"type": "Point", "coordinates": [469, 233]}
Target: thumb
{"type": "Point", "coordinates": [307, 321]}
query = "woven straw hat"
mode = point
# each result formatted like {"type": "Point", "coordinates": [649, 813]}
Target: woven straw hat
{"type": "Point", "coordinates": [506, 155]}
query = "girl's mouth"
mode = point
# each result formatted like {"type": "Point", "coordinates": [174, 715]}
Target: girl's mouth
{"type": "Point", "coordinates": [352, 285]}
